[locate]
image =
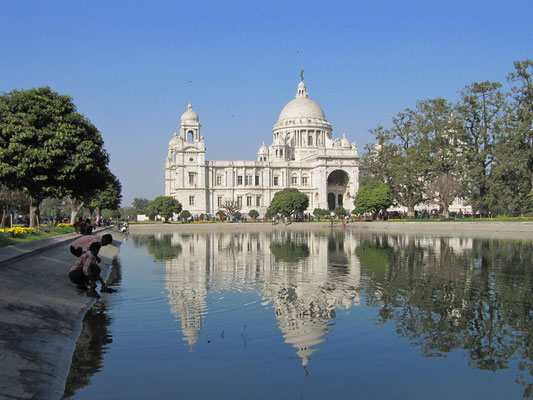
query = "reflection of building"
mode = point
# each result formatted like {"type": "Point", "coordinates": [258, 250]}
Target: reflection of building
{"type": "Point", "coordinates": [303, 155]}
{"type": "Point", "coordinates": [305, 293]}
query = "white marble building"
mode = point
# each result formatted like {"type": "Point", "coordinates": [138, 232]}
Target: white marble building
{"type": "Point", "coordinates": [303, 155]}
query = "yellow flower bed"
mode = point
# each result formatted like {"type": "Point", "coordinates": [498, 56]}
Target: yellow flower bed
{"type": "Point", "coordinates": [64, 224]}
{"type": "Point", "coordinates": [503, 218]}
{"type": "Point", "coordinates": [18, 231]}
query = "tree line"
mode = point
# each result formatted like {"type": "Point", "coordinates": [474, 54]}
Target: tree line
{"type": "Point", "coordinates": [49, 150]}
{"type": "Point", "coordinates": [479, 148]}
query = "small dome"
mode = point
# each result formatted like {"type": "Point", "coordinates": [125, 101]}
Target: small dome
{"type": "Point", "coordinates": [345, 143]}
{"type": "Point", "coordinates": [174, 139]}
{"type": "Point", "coordinates": [189, 115]}
{"type": "Point", "coordinates": [263, 149]}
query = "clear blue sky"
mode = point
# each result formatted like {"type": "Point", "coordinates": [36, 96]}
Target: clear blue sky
{"type": "Point", "coordinates": [132, 66]}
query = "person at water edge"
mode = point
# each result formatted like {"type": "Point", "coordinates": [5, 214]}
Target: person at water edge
{"type": "Point", "coordinates": [85, 271]}
{"type": "Point", "coordinates": [81, 245]}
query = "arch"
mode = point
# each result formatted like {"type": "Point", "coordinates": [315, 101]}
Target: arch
{"type": "Point", "coordinates": [338, 177]}
{"type": "Point", "coordinates": [190, 136]}
{"type": "Point", "coordinates": [339, 200]}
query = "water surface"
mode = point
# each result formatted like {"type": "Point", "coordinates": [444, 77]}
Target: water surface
{"type": "Point", "coordinates": [310, 315]}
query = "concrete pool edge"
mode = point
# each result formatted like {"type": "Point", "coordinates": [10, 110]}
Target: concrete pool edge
{"type": "Point", "coordinates": [497, 229]}
{"type": "Point", "coordinates": [41, 315]}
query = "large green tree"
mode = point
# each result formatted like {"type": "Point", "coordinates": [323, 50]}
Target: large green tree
{"type": "Point", "coordinates": [400, 158]}
{"type": "Point", "coordinates": [288, 201]}
{"type": "Point", "coordinates": [480, 116]}
{"type": "Point", "coordinates": [164, 206]}
{"type": "Point", "coordinates": [109, 197]}
{"type": "Point", "coordinates": [140, 204]}
{"type": "Point", "coordinates": [511, 176]}
{"type": "Point", "coordinates": [373, 197]}
{"type": "Point", "coordinates": [439, 130]}
{"type": "Point", "coordinates": [47, 148]}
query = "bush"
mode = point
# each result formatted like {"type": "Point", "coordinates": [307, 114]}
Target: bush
{"type": "Point", "coordinates": [340, 211]}
{"type": "Point", "coordinates": [185, 214]}
{"type": "Point", "coordinates": [320, 212]}
{"type": "Point", "coordinates": [253, 214]}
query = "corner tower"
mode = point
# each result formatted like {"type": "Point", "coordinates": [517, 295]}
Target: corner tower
{"type": "Point", "coordinates": [185, 166]}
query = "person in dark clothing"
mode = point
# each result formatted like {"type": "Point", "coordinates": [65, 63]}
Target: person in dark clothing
{"type": "Point", "coordinates": [85, 271]}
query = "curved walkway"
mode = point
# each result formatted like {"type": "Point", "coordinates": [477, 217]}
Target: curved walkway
{"type": "Point", "coordinates": [41, 315]}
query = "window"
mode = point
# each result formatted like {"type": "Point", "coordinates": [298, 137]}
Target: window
{"type": "Point", "coordinates": [275, 181]}
{"type": "Point", "coordinates": [281, 153]}
{"type": "Point", "coordinates": [258, 201]}
{"type": "Point", "coordinates": [294, 180]}
{"type": "Point", "coordinates": [239, 180]}
{"type": "Point", "coordinates": [191, 200]}
{"type": "Point", "coordinates": [219, 180]}
{"type": "Point", "coordinates": [219, 201]}
{"type": "Point", "coordinates": [239, 201]}
{"type": "Point", "coordinates": [257, 180]}
{"type": "Point", "coordinates": [304, 180]}
{"type": "Point", "coordinates": [310, 141]}
{"type": "Point", "coordinates": [249, 179]}
{"type": "Point", "coordinates": [249, 201]}
{"type": "Point", "coordinates": [191, 178]}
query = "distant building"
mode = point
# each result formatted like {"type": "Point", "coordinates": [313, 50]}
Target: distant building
{"type": "Point", "coordinates": [303, 155]}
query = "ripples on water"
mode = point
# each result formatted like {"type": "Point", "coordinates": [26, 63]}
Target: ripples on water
{"type": "Point", "coordinates": [304, 314]}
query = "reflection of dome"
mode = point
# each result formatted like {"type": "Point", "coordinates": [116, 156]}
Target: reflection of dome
{"type": "Point", "coordinates": [189, 115]}
{"type": "Point", "coordinates": [301, 107]}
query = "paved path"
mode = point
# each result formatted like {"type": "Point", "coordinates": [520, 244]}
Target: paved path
{"type": "Point", "coordinates": [41, 315]}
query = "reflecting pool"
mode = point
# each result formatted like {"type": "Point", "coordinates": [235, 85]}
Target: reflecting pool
{"type": "Point", "coordinates": [310, 315]}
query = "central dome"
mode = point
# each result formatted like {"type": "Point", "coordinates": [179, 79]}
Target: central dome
{"type": "Point", "coordinates": [301, 107]}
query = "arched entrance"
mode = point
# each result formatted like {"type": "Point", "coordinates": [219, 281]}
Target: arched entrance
{"type": "Point", "coordinates": [337, 186]}
{"type": "Point", "coordinates": [331, 201]}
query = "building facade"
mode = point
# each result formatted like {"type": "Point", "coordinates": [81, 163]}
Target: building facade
{"type": "Point", "coordinates": [303, 155]}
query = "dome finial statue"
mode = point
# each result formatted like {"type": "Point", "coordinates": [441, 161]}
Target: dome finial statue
{"type": "Point", "coordinates": [302, 74]}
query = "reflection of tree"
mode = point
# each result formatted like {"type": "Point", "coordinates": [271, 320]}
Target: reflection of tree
{"type": "Point", "coordinates": [374, 257]}
{"type": "Point", "coordinates": [93, 341]}
{"type": "Point", "coordinates": [160, 246]}
{"type": "Point", "coordinates": [478, 301]}
{"type": "Point", "coordinates": [289, 251]}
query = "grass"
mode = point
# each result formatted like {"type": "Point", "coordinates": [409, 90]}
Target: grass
{"type": "Point", "coordinates": [7, 239]}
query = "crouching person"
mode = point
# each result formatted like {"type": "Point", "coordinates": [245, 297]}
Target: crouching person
{"type": "Point", "coordinates": [85, 271]}
{"type": "Point", "coordinates": [81, 245]}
